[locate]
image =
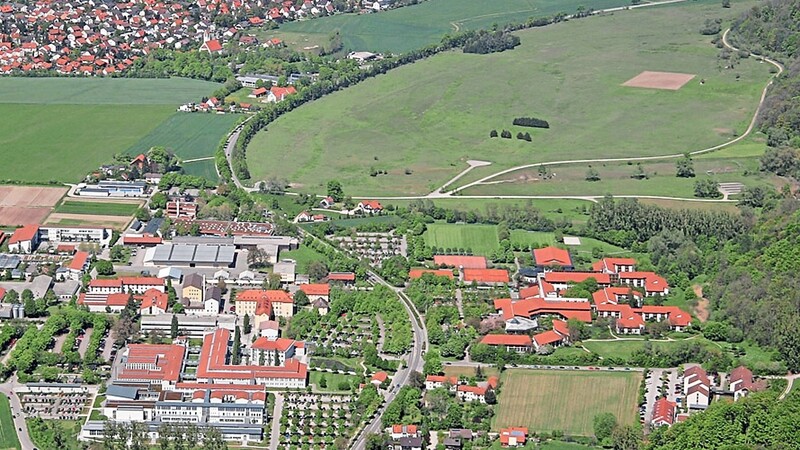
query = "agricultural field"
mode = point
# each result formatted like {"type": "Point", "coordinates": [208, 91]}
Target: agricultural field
{"type": "Point", "coordinates": [414, 27]}
{"type": "Point", "coordinates": [69, 126]}
{"type": "Point", "coordinates": [422, 122]}
{"type": "Point", "coordinates": [483, 239]}
{"type": "Point", "coordinates": [8, 434]}
{"type": "Point", "coordinates": [22, 205]}
{"type": "Point", "coordinates": [98, 208]}
{"type": "Point", "coordinates": [188, 135]}
{"type": "Point", "coordinates": [205, 168]}
{"type": "Point", "coordinates": [565, 400]}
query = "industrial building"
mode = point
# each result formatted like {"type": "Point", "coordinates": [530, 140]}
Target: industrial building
{"type": "Point", "coordinates": [191, 255]}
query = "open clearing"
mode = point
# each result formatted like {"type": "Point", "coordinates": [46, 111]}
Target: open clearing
{"type": "Point", "coordinates": [205, 168]}
{"type": "Point", "coordinates": [21, 205]}
{"type": "Point", "coordinates": [659, 80]}
{"type": "Point", "coordinates": [61, 128]}
{"type": "Point", "coordinates": [8, 433]}
{"type": "Point", "coordinates": [414, 27]}
{"type": "Point", "coordinates": [98, 208]}
{"type": "Point", "coordinates": [117, 222]}
{"type": "Point", "coordinates": [565, 400]}
{"type": "Point", "coordinates": [188, 135]}
{"type": "Point", "coordinates": [423, 121]}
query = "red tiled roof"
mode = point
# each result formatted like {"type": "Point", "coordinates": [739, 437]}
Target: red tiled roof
{"type": "Point", "coordinates": [576, 277]}
{"type": "Point", "coordinates": [26, 233]}
{"type": "Point", "coordinates": [506, 339]}
{"type": "Point", "coordinates": [214, 366]}
{"type": "Point", "coordinates": [466, 262]}
{"type": "Point", "coordinates": [477, 390]}
{"type": "Point", "coordinates": [272, 295]}
{"type": "Point", "coordinates": [653, 282]}
{"type": "Point", "coordinates": [551, 256]}
{"type": "Point", "coordinates": [630, 320]}
{"type": "Point", "coordinates": [486, 275]}
{"type": "Point", "coordinates": [418, 273]}
{"type": "Point", "coordinates": [547, 337]}
{"type": "Point", "coordinates": [518, 433]}
{"type": "Point", "coordinates": [372, 204]}
{"type": "Point", "coordinates": [560, 327]}
{"type": "Point", "coordinates": [141, 240]}
{"type": "Point", "coordinates": [167, 360]}
{"type": "Point", "coordinates": [154, 297]}
{"type": "Point", "coordinates": [315, 289]}
{"type": "Point", "coordinates": [535, 306]}
{"type": "Point", "coordinates": [380, 376]}
{"type": "Point", "coordinates": [341, 276]}
{"type": "Point", "coordinates": [282, 92]}
{"type": "Point", "coordinates": [143, 281]}
{"type": "Point", "coordinates": [279, 344]}
{"type": "Point", "coordinates": [664, 411]}
{"type": "Point", "coordinates": [442, 379]}
{"type": "Point", "coordinates": [105, 283]}
{"type": "Point", "coordinates": [78, 261]}
{"type": "Point", "coordinates": [213, 45]}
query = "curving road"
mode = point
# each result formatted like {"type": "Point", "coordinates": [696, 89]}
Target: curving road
{"type": "Point", "coordinates": [9, 388]}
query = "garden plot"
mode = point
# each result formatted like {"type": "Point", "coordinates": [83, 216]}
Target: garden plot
{"type": "Point", "coordinates": [315, 419]}
{"type": "Point", "coordinates": [372, 246]}
{"type": "Point", "coordinates": [345, 338]}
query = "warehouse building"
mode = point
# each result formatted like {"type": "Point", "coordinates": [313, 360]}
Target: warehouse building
{"type": "Point", "coordinates": [191, 255]}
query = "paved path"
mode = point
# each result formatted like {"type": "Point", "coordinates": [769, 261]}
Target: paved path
{"type": "Point", "coordinates": [275, 427]}
{"type": "Point", "coordinates": [8, 389]}
{"type": "Point", "coordinates": [230, 144]}
{"type": "Point", "coordinates": [460, 304]}
{"type": "Point", "coordinates": [789, 382]}
{"type": "Point", "coordinates": [84, 343]}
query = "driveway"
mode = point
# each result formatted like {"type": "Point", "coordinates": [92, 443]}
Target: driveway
{"type": "Point", "coordinates": [8, 389]}
{"type": "Point", "coordinates": [275, 428]}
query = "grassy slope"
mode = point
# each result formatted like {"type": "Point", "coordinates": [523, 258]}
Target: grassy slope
{"type": "Point", "coordinates": [61, 128]}
{"type": "Point", "coordinates": [433, 115]}
{"type": "Point", "coordinates": [188, 135]}
{"type": "Point", "coordinates": [303, 256]}
{"type": "Point", "coordinates": [8, 434]}
{"type": "Point", "coordinates": [414, 27]}
{"type": "Point", "coordinates": [97, 208]}
{"type": "Point", "coordinates": [565, 400]}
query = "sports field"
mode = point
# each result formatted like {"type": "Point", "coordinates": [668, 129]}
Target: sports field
{"type": "Point", "coordinates": [97, 208]}
{"type": "Point", "coordinates": [188, 135]}
{"type": "Point", "coordinates": [414, 27]}
{"type": "Point", "coordinates": [61, 128]}
{"type": "Point", "coordinates": [565, 400]}
{"type": "Point", "coordinates": [421, 122]}
{"type": "Point", "coordinates": [8, 433]}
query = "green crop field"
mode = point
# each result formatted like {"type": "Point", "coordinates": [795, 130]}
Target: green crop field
{"type": "Point", "coordinates": [97, 208]}
{"type": "Point", "coordinates": [421, 122]}
{"type": "Point", "coordinates": [414, 27]}
{"type": "Point", "coordinates": [482, 239]}
{"type": "Point", "coordinates": [188, 135]}
{"type": "Point", "coordinates": [104, 91]}
{"type": "Point", "coordinates": [205, 168]}
{"type": "Point", "coordinates": [62, 128]}
{"type": "Point", "coordinates": [565, 400]}
{"type": "Point", "coordinates": [8, 432]}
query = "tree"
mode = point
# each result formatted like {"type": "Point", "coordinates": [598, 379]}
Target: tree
{"type": "Point", "coordinates": [158, 201]}
{"type": "Point", "coordinates": [592, 175]}
{"type": "Point", "coordinates": [257, 258]}
{"type": "Point", "coordinates": [11, 296]}
{"type": "Point", "coordinates": [104, 267]}
{"type": "Point", "coordinates": [246, 328]}
{"type": "Point", "coordinates": [323, 381]}
{"type": "Point", "coordinates": [178, 308]}
{"type": "Point", "coordinates": [493, 134]}
{"type": "Point", "coordinates": [143, 214]}
{"type": "Point", "coordinates": [273, 281]}
{"type": "Point", "coordinates": [684, 167]}
{"type": "Point", "coordinates": [604, 424]}
{"type": "Point", "coordinates": [706, 188]}
{"type": "Point", "coordinates": [236, 354]}
{"type": "Point", "coordinates": [317, 270]}
{"type": "Point", "coordinates": [117, 253]}
{"type": "Point", "coordinates": [491, 397]}
{"type": "Point", "coordinates": [173, 330]}
{"type": "Point", "coordinates": [335, 190]}
{"type": "Point", "coordinates": [433, 363]}
{"type": "Point", "coordinates": [301, 299]}
{"type": "Point", "coordinates": [726, 3]}
{"type": "Point", "coordinates": [628, 437]}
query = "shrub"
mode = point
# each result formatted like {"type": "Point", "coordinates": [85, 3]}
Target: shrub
{"type": "Point", "coordinates": [531, 122]}
{"type": "Point", "coordinates": [505, 134]}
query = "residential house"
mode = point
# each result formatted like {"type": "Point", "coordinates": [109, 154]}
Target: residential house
{"type": "Point", "coordinates": [153, 302]}
{"type": "Point", "coordinates": [741, 382]}
{"type": "Point", "coordinates": [78, 266]}
{"type": "Point", "coordinates": [193, 287]}
{"type": "Point", "coordinates": [550, 258]}
{"type": "Point", "coordinates": [663, 412]}
{"type": "Point", "coordinates": [513, 436]}
{"type": "Point", "coordinates": [696, 387]}
{"type": "Point", "coordinates": [511, 342]}
{"type": "Point", "coordinates": [615, 265]}
{"type": "Point", "coordinates": [652, 283]}
{"type": "Point", "coordinates": [369, 206]}
{"type": "Point", "coordinates": [476, 393]}
{"type": "Point", "coordinates": [441, 381]}
{"type": "Point", "coordinates": [378, 378]}
{"type": "Point", "coordinates": [327, 202]}
{"type": "Point", "coordinates": [279, 94]}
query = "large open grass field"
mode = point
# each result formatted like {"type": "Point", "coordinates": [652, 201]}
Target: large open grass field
{"type": "Point", "coordinates": [565, 400]}
{"type": "Point", "coordinates": [97, 208]}
{"type": "Point", "coordinates": [62, 128]}
{"type": "Point", "coordinates": [188, 135]}
{"type": "Point", "coordinates": [414, 27]}
{"type": "Point", "coordinates": [431, 116]}
{"type": "Point", "coordinates": [8, 434]}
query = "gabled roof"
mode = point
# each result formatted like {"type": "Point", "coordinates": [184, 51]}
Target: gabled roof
{"type": "Point", "coordinates": [193, 280]}
{"type": "Point", "coordinates": [442, 379]}
{"type": "Point", "coordinates": [466, 262]}
{"type": "Point", "coordinates": [316, 289]}
{"type": "Point", "coordinates": [507, 339]}
{"type": "Point", "coordinates": [380, 376]}
{"type": "Point", "coordinates": [486, 275]}
{"type": "Point", "coordinates": [79, 261]}
{"type": "Point", "coordinates": [154, 297]}
{"type": "Point", "coordinates": [546, 338]}
{"type": "Point", "coordinates": [652, 281]}
{"type": "Point", "coordinates": [26, 233]}
{"type": "Point", "coordinates": [341, 276]}
{"type": "Point", "coordinates": [560, 327]}
{"type": "Point", "coordinates": [535, 306]}
{"type": "Point", "coordinates": [551, 256]}
{"type": "Point", "coordinates": [664, 412]}
{"type": "Point", "coordinates": [576, 277]}
{"type": "Point", "coordinates": [279, 344]}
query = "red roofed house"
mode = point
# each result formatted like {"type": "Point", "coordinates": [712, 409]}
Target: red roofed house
{"type": "Point", "coordinates": [663, 412]}
{"type": "Point", "coordinates": [369, 206]}
{"type": "Point", "coordinates": [441, 381]}
{"type": "Point", "coordinates": [401, 431]}
{"type": "Point", "coordinates": [379, 378]}
{"type": "Point", "coordinates": [629, 322]}
{"type": "Point", "coordinates": [278, 94]}
{"type": "Point", "coordinates": [141, 162]}
{"type": "Point", "coordinates": [653, 284]}
{"type": "Point", "coordinates": [615, 265]}
{"type": "Point", "coordinates": [211, 46]}
{"type": "Point", "coordinates": [318, 291]}
{"type": "Point", "coordinates": [552, 257]}
{"type": "Point", "coordinates": [251, 301]}
{"type": "Point", "coordinates": [144, 240]}
{"type": "Point", "coordinates": [274, 352]}
{"type": "Point", "coordinates": [342, 277]}
{"type": "Point", "coordinates": [24, 240]}
{"type": "Point", "coordinates": [258, 92]}
{"type": "Point", "coordinates": [489, 277]}
{"type": "Point", "coordinates": [741, 382]}
{"type": "Point", "coordinates": [513, 437]}
{"type": "Point", "coordinates": [519, 343]}
{"type": "Point", "coordinates": [696, 387]}
{"type": "Point", "coordinates": [460, 262]}
{"type": "Point", "coordinates": [562, 280]}
{"type": "Point", "coordinates": [473, 393]}
{"type": "Point", "coordinates": [536, 306]}
{"type": "Point", "coordinates": [153, 303]}
{"type": "Point", "coordinates": [80, 262]}
{"type": "Point", "coordinates": [415, 274]}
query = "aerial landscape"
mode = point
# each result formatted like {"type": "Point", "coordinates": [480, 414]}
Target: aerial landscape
{"type": "Point", "coordinates": [400, 224]}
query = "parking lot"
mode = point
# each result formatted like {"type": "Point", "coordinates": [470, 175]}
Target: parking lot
{"type": "Point", "coordinates": [54, 406]}
{"type": "Point", "coordinates": [660, 383]}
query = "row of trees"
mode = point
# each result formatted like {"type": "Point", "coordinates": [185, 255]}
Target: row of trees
{"type": "Point", "coordinates": [483, 42]}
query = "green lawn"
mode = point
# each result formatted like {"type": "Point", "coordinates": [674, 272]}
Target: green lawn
{"type": "Point", "coordinates": [333, 380]}
{"type": "Point", "coordinates": [417, 26]}
{"type": "Point", "coordinates": [8, 432]}
{"type": "Point", "coordinates": [566, 401]}
{"type": "Point", "coordinates": [624, 349]}
{"type": "Point", "coordinates": [97, 208]}
{"type": "Point", "coordinates": [205, 168]}
{"type": "Point", "coordinates": [70, 429]}
{"type": "Point", "coordinates": [482, 239]}
{"type": "Point", "coordinates": [431, 116]}
{"type": "Point", "coordinates": [189, 135]}
{"type": "Point", "coordinates": [304, 256]}
{"type": "Point", "coordinates": [104, 91]}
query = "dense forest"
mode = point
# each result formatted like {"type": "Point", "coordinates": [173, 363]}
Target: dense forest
{"type": "Point", "coordinates": [773, 29]}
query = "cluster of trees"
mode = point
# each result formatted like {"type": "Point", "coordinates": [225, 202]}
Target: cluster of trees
{"type": "Point", "coordinates": [405, 408]}
{"type": "Point", "coordinates": [524, 136]}
{"type": "Point", "coordinates": [443, 330]}
{"type": "Point", "coordinates": [684, 167]}
{"type": "Point", "coordinates": [782, 161]}
{"type": "Point", "coordinates": [523, 217]}
{"type": "Point", "coordinates": [711, 27]}
{"type": "Point", "coordinates": [759, 420]}
{"type": "Point", "coordinates": [707, 188]}
{"type": "Point", "coordinates": [531, 122]}
{"type": "Point", "coordinates": [611, 434]}
{"type": "Point", "coordinates": [626, 221]}
{"type": "Point", "coordinates": [172, 179]}
{"type": "Point", "coordinates": [483, 42]}
{"type": "Point", "coordinates": [134, 436]}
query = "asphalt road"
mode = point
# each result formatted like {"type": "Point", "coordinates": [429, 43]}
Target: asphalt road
{"type": "Point", "coordinates": [8, 389]}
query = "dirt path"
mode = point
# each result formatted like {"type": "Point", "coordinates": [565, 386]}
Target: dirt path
{"type": "Point", "coordinates": [701, 310]}
{"type": "Point", "coordinates": [59, 343]}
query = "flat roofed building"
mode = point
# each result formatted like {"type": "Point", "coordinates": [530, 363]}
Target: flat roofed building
{"type": "Point", "coordinates": [191, 255]}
